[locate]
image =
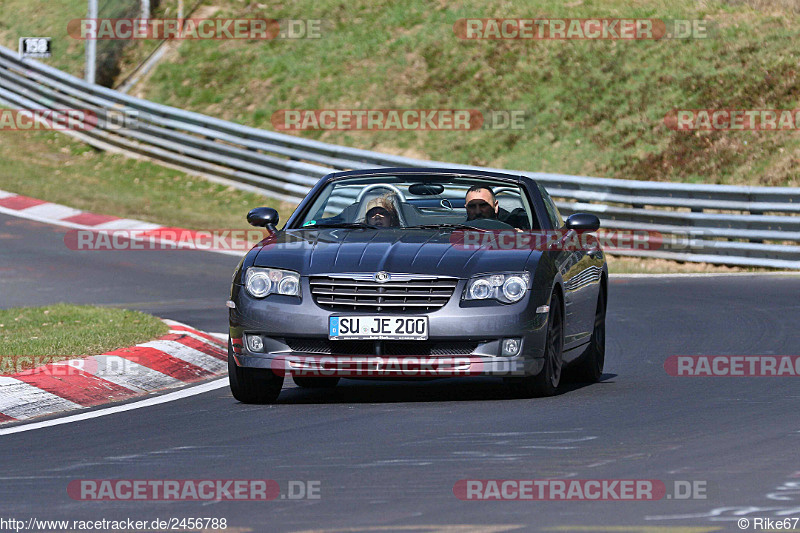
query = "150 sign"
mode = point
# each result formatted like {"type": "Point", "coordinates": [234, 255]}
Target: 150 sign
{"type": "Point", "coordinates": [38, 47]}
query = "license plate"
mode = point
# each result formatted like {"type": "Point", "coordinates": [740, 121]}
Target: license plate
{"type": "Point", "coordinates": [378, 328]}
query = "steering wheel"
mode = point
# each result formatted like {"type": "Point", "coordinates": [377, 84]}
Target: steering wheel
{"type": "Point", "coordinates": [368, 188]}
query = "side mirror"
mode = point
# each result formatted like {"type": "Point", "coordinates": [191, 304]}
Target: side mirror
{"type": "Point", "coordinates": [265, 217]}
{"type": "Point", "coordinates": [582, 222]}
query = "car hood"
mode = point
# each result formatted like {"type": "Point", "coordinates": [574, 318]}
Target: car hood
{"type": "Point", "coordinates": [418, 251]}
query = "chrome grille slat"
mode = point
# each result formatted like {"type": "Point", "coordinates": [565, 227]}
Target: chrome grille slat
{"type": "Point", "coordinates": [382, 304]}
{"type": "Point", "coordinates": [395, 292]}
{"type": "Point", "coordinates": [410, 292]}
{"type": "Point", "coordinates": [315, 282]}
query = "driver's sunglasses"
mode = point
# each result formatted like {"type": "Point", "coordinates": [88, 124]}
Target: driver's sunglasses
{"type": "Point", "coordinates": [477, 205]}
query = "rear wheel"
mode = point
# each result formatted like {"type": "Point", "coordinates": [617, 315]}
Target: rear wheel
{"type": "Point", "coordinates": [307, 382]}
{"type": "Point", "coordinates": [546, 382]}
{"type": "Point", "coordinates": [252, 385]}
{"type": "Point", "coordinates": [590, 366]}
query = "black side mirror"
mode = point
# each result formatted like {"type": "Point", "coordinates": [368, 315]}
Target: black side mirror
{"type": "Point", "coordinates": [582, 222]}
{"type": "Point", "coordinates": [265, 217]}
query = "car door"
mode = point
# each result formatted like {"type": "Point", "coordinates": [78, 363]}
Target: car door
{"type": "Point", "coordinates": [578, 268]}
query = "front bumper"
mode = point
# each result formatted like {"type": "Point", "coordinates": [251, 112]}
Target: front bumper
{"type": "Point", "coordinates": [464, 338]}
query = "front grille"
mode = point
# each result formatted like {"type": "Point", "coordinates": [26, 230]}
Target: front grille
{"type": "Point", "coordinates": [394, 348]}
{"type": "Point", "coordinates": [405, 293]}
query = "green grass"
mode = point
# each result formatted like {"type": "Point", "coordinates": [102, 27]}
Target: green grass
{"type": "Point", "coordinates": [32, 336]}
{"type": "Point", "coordinates": [56, 168]}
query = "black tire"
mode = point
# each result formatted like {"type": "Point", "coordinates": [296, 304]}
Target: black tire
{"type": "Point", "coordinates": [252, 385]}
{"type": "Point", "coordinates": [312, 382]}
{"type": "Point", "coordinates": [547, 381]}
{"type": "Point", "coordinates": [589, 368]}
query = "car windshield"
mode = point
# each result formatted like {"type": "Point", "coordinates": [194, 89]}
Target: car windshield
{"type": "Point", "coordinates": [413, 201]}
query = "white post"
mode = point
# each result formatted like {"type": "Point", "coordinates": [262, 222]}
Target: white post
{"type": "Point", "coordinates": [180, 15]}
{"type": "Point", "coordinates": [145, 16]}
{"type": "Point", "coordinates": [91, 44]}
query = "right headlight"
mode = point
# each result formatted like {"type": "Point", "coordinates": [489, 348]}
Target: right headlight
{"type": "Point", "coordinates": [261, 282]}
{"type": "Point", "coordinates": [506, 287]}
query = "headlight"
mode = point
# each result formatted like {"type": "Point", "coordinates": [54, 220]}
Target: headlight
{"type": "Point", "coordinates": [480, 290]}
{"type": "Point", "coordinates": [261, 282]}
{"type": "Point", "coordinates": [507, 287]}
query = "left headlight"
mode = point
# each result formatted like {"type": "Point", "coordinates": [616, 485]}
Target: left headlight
{"type": "Point", "coordinates": [261, 282]}
{"type": "Point", "coordinates": [506, 287]}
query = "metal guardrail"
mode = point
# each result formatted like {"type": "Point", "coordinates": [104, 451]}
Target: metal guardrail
{"type": "Point", "coordinates": [745, 226]}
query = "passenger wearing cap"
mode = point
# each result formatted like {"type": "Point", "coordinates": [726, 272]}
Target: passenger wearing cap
{"type": "Point", "coordinates": [382, 213]}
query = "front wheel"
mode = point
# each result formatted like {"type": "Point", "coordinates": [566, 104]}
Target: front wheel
{"type": "Point", "coordinates": [252, 385]}
{"type": "Point", "coordinates": [546, 382]}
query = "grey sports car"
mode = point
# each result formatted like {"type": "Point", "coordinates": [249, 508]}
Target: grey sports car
{"type": "Point", "coordinates": [415, 274]}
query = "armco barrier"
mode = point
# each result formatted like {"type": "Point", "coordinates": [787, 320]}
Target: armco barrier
{"type": "Point", "coordinates": [746, 226]}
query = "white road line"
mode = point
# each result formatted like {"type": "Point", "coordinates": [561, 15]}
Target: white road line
{"type": "Point", "coordinates": [170, 397]}
{"type": "Point", "coordinates": [6, 194]}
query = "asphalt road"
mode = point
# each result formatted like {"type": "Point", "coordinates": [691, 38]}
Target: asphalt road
{"type": "Point", "coordinates": [386, 456]}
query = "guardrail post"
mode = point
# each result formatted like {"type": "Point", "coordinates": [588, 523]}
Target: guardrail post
{"type": "Point", "coordinates": [91, 44]}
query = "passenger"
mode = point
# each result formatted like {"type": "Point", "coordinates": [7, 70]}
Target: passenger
{"type": "Point", "coordinates": [381, 212]}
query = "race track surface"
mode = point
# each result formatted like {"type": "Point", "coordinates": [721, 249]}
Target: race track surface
{"type": "Point", "coordinates": [387, 455]}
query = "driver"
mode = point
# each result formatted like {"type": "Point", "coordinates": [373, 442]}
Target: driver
{"type": "Point", "coordinates": [481, 203]}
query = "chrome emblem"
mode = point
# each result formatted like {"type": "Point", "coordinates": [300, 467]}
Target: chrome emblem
{"type": "Point", "coordinates": [382, 277]}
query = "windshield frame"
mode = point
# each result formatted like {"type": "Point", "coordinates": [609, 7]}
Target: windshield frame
{"type": "Point", "coordinates": [327, 186]}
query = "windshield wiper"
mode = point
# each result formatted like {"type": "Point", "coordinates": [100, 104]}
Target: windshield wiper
{"type": "Point", "coordinates": [340, 225]}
